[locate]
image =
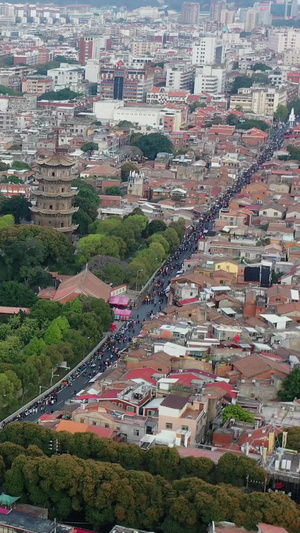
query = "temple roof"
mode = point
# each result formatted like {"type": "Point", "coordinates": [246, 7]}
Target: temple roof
{"type": "Point", "coordinates": [56, 160]}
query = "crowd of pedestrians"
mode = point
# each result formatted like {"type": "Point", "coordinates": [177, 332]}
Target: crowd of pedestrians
{"type": "Point", "coordinates": [154, 300]}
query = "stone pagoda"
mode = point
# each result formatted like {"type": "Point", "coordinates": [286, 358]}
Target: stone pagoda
{"type": "Point", "coordinates": [54, 196]}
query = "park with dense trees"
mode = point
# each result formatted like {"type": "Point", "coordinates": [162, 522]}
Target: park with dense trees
{"type": "Point", "coordinates": [139, 247]}
{"type": "Point", "coordinates": [31, 346]}
{"type": "Point", "coordinates": [107, 482]}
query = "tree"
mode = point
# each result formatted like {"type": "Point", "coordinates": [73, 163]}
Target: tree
{"type": "Point", "coordinates": [83, 220]}
{"type": "Point", "coordinates": [171, 236]}
{"type": "Point", "coordinates": [3, 166]}
{"type": "Point", "coordinates": [260, 66]}
{"type": "Point", "coordinates": [281, 113]}
{"type": "Point", "coordinates": [139, 272]}
{"type": "Point", "coordinates": [88, 202]}
{"type": "Point", "coordinates": [6, 220]}
{"type": "Point", "coordinates": [294, 152]}
{"type": "Point", "coordinates": [162, 461]}
{"type": "Point", "coordinates": [156, 226]}
{"type": "Point", "coordinates": [293, 438]}
{"type": "Point", "coordinates": [7, 391]}
{"type": "Point", "coordinates": [20, 165]}
{"type": "Point", "coordinates": [202, 468]}
{"type": "Point", "coordinates": [101, 309]}
{"type": "Point", "coordinates": [238, 413]}
{"type": "Point", "coordinates": [113, 273]}
{"type": "Point", "coordinates": [96, 244]}
{"type": "Point", "coordinates": [290, 387]}
{"type": "Point", "coordinates": [194, 105]}
{"type": "Point", "coordinates": [125, 124]}
{"type": "Point", "coordinates": [179, 227]}
{"type": "Point", "coordinates": [62, 94]}
{"type": "Point", "coordinates": [53, 334]}
{"type": "Point", "coordinates": [153, 143]}
{"type": "Point", "coordinates": [17, 206]}
{"type": "Point", "coordinates": [239, 82]}
{"type": "Point", "coordinates": [36, 346]}
{"type": "Point", "coordinates": [157, 237]}
{"type": "Point", "coordinates": [113, 191]}
{"type": "Point", "coordinates": [16, 294]}
{"type": "Point", "coordinates": [90, 147]}
{"type": "Point", "coordinates": [45, 310]}
{"type": "Point", "coordinates": [126, 169]}
{"type": "Point", "coordinates": [106, 226]}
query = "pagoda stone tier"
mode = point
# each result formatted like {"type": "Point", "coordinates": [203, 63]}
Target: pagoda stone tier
{"type": "Point", "coordinates": [54, 197]}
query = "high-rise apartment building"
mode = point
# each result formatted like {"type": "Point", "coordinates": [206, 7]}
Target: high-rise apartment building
{"type": "Point", "coordinates": [283, 39]}
{"type": "Point", "coordinates": [180, 77]}
{"type": "Point", "coordinates": [210, 79]}
{"type": "Point", "coordinates": [208, 51]}
{"type": "Point", "coordinates": [251, 20]}
{"type": "Point", "coordinates": [190, 13]}
{"type": "Point", "coordinates": [89, 48]}
{"type": "Point", "coordinates": [216, 10]}
{"type": "Point", "coordinates": [121, 83]}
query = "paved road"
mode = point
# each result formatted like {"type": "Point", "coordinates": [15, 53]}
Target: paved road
{"type": "Point", "coordinates": [187, 248]}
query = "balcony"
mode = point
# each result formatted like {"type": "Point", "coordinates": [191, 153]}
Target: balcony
{"type": "Point", "coordinates": [49, 194]}
{"type": "Point", "coordinates": [54, 212]}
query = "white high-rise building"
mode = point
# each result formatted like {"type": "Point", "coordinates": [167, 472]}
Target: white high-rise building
{"type": "Point", "coordinates": [284, 39]}
{"type": "Point", "coordinates": [251, 20]}
{"type": "Point", "coordinates": [210, 79]}
{"type": "Point", "coordinates": [208, 51]}
{"type": "Point", "coordinates": [180, 77]}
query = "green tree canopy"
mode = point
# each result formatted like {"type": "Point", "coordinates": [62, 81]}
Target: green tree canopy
{"type": "Point", "coordinates": [16, 294]}
{"type": "Point", "coordinates": [260, 66]}
{"type": "Point", "coordinates": [113, 191]}
{"type": "Point", "coordinates": [7, 220]}
{"type": "Point", "coordinates": [238, 413]}
{"type": "Point", "coordinates": [62, 94]}
{"type": "Point", "coordinates": [156, 226]}
{"type": "Point", "coordinates": [154, 143]}
{"type": "Point", "coordinates": [126, 169]}
{"type": "Point", "coordinates": [88, 202]}
{"type": "Point", "coordinates": [113, 273]}
{"type": "Point", "coordinates": [17, 206]}
{"type": "Point", "coordinates": [290, 387]}
{"type": "Point", "coordinates": [20, 165]}
{"type": "Point", "coordinates": [90, 147]}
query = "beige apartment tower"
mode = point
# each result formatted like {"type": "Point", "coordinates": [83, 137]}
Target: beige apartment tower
{"type": "Point", "coordinates": [190, 13]}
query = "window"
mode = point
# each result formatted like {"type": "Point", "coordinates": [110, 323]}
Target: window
{"type": "Point", "coordinates": [130, 409]}
{"type": "Point", "coordinates": [136, 432]}
{"type": "Point", "coordinates": [106, 425]}
{"type": "Point", "coordinates": [53, 173]}
{"type": "Point", "coordinates": [185, 428]}
{"type": "Point", "coordinates": [169, 425]}
{"type": "Point", "coordinates": [94, 423]}
{"type": "Point", "coordinates": [81, 420]}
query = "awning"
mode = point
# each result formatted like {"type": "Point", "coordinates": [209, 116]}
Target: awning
{"type": "Point", "coordinates": [119, 300]}
{"type": "Point", "coordinates": [122, 312]}
{"type": "Point", "coordinates": [5, 499]}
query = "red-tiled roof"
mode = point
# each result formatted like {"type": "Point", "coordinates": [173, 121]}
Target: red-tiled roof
{"type": "Point", "coordinates": [141, 373]}
{"type": "Point", "coordinates": [83, 283]}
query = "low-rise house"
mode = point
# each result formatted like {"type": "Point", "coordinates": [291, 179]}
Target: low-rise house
{"type": "Point", "coordinates": [107, 416]}
{"type": "Point", "coordinates": [272, 211]}
{"type": "Point", "coordinates": [257, 367]}
{"type": "Point", "coordinates": [184, 417]}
